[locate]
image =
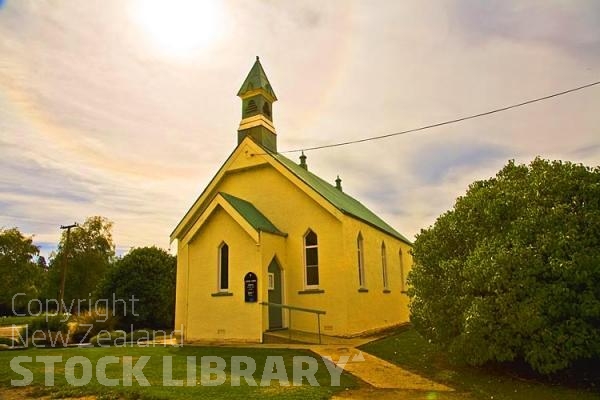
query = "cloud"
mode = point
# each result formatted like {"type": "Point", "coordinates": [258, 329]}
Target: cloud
{"type": "Point", "coordinates": [437, 160]}
{"type": "Point", "coordinates": [537, 21]}
{"type": "Point", "coordinates": [94, 121]}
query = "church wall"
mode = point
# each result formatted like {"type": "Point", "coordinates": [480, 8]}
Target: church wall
{"type": "Point", "coordinates": [205, 312]}
{"type": "Point", "coordinates": [375, 309]}
{"type": "Point", "coordinates": [181, 287]}
{"type": "Point", "coordinates": [294, 212]}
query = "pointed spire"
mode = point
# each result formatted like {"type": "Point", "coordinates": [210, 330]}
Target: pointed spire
{"type": "Point", "coordinates": [303, 161]}
{"type": "Point", "coordinates": [338, 184]}
{"type": "Point", "coordinates": [256, 80]}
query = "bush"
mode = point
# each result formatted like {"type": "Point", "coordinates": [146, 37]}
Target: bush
{"type": "Point", "coordinates": [147, 274]}
{"type": "Point", "coordinates": [90, 322]}
{"type": "Point", "coordinates": [121, 338]}
{"type": "Point", "coordinates": [107, 338]}
{"type": "Point", "coordinates": [146, 334]}
{"type": "Point", "coordinates": [513, 271]}
{"type": "Point", "coordinates": [48, 330]}
{"type": "Point", "coordinates": [49, 323]}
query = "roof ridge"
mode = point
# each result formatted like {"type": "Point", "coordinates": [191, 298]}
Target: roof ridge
{"type": "Point", "coordinates": [357, 210]}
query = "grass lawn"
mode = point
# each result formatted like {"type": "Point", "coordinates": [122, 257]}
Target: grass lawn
{"type": "Point", "coordinates": [153, 371]}
{"type": "Point", "coordinates": [410, 351]}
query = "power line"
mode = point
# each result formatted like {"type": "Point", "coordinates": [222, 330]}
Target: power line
{"type": "Point", "coordinates": [452, 121]}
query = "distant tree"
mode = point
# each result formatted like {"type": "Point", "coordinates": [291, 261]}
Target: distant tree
{"type": "Point", "coordinates": [18, 270]}
{"type": "Point", "coordinates": [512, 272]}
{"type": "Point", "coordinates": [88, 255]}
{"type": "Point", "coordinates": [41, 263]}
{"type": "Point", "coordinates": [147, 274]}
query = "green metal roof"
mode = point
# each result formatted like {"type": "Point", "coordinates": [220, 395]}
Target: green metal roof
{"type": "Point", "coordinates": [252, 215]}
{"type": "Point", "coordinates": [337, 198]}
{"type": "Point", "coordinates": [257, 79]}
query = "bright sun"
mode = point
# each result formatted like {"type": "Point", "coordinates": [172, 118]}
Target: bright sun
{"type": "Point", "coordinates": [180, 27]}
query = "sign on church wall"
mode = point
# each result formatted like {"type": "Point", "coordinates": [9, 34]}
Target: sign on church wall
{"type": "Point", "coordinates": [250, 288]}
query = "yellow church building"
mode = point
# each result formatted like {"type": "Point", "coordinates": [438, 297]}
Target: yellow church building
{"type": "Point", "coordinates": [268, 237]}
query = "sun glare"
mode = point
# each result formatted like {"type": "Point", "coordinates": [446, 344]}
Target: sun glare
{"type": "Point", "coordinates": [180, 28]}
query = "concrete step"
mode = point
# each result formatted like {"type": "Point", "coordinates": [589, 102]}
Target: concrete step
{"type": "Point", "coordinates": [283, 336]}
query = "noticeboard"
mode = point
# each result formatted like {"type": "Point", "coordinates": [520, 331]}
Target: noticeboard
{"type": "Point", "coordinates": [250, 288]}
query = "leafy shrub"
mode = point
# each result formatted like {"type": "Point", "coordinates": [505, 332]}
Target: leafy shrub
{"type": "Point", "coordinates": [102, 339]}
{"type": "Point", "coordinates": [48, 330]}
{"type": "Point", "coordinates": [49, 323]}
{"type": "Point", "coordinates": [146, 334]}
{"type": "Point", "coordinates": [148, 274]}
{"type": "Point", "coordinates": [90, 322]}
{"type": "Point", "coordinates": [512, 271]}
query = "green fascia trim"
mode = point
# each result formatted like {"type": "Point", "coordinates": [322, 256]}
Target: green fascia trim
{"type": "Point", "coordinates": [187, 226]}
{"type": "Point", "coordinates": [257, 79]}
{"type": "Point", "coordinates": [252, 215]}
{"type": "Point", "coordinates": [342, 201]}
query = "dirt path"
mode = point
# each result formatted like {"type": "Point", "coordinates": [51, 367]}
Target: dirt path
{"type": "Point", "coordinates": [11, 331]}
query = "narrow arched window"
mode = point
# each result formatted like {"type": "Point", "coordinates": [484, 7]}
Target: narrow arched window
{"type": "Point", "coordinates": [223, 267]}
{"type": "Point", "coordinates": [266, 109]}
{"type": "Point", "coordinates": [384, 271]}
{"type": "Point", "coordinates": [402, 279]}
{"type": "Point", "coordinates": [361, 261]}
{"type": "Point", "coordinates": [311, 259]}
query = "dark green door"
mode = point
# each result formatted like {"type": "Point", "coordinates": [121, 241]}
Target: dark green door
{"type": "Point", "coordinates": [274, 282]}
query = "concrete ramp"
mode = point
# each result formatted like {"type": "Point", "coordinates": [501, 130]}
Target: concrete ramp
{"type": "Point", "coordinates": [376, 372]}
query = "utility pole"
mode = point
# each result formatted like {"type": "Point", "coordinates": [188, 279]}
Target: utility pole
{"type": "Point", "coordinates": [63, 276]}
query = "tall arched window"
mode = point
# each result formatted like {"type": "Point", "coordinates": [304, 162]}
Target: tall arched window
{"type": "Point", "coordinates": [266, 109]}
{"type": "Point", "coordinates": [402, 280]}
{"type": "Point", "coordinates": [223, 267]}
{"type": "Point", "coordinates": [384, 271]}
{"type": "Point", "coordinates": [311, 259]}
{"type": "Point", "coordinates": [361, 261]}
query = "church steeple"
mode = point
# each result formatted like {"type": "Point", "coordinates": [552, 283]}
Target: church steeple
{"type": "Point", "coordinates": [257, 101]}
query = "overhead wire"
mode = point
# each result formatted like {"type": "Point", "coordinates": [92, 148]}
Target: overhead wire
{"type": "Point", "coordinates": [448, 122]}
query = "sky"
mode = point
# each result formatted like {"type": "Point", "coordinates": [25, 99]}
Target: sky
{"type": "Point", "coordinates": [127, 108]}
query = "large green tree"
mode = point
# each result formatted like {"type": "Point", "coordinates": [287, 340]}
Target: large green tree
{"type": "Point", "coordinates": [147, 275]}
{"type": "Point", "coordinates": [512, 272]}
{"type": "Point", "coordinates": [88, 254]}
{"type": "Point", "coordinates": [19, 272]}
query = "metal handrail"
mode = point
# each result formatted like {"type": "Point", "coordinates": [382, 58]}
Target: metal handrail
{"type": "Point", "coordinates": [294, 308]}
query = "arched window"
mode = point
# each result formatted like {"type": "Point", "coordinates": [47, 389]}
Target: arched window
{"type": "Point", "coordinates": [384, 271]}
{"type": "Point", "coordinates": [266, 109]}
{"type": "Point", "coordinates": [223, 267]}
{"type": "Point", "coordinates": [361, 261]}
{"type": "Point", "coordinates": [311, 259]}
{"type": "Point", "coordinates": [402, 280]}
